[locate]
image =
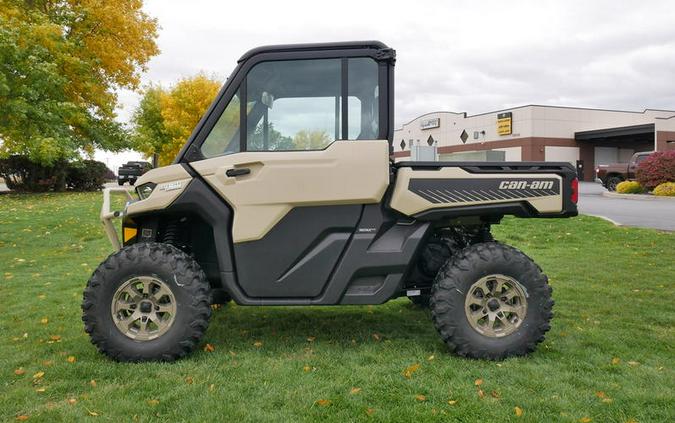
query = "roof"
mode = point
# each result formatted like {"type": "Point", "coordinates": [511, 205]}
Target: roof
{"type": "Point", "coordinates": [340, 45]}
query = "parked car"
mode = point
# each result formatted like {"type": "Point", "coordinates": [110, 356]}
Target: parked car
{"type": "Point", "coordinates": [610, 175]}
{"type": "Point", "coordinates": [130, 171]}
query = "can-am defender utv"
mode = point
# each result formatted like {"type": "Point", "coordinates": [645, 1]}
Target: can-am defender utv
{"type": "Point", "coordinates": [286, 194]}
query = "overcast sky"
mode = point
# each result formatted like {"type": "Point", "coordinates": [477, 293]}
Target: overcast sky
{"type": "Point", "coordinates": [461, 56]}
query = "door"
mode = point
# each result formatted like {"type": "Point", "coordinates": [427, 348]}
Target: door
{"type": "Point", "coordinates": [296, 166]}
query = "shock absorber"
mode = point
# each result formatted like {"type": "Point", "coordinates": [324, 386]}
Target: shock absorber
{"type": "Point", "coordinates": [171, 233]}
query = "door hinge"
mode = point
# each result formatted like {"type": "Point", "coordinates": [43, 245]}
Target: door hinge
{"type": "Point", "coordinates": [386, 54]}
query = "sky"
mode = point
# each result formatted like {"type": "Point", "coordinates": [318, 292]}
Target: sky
{"type": "Point", "coordinates": [460, 56]}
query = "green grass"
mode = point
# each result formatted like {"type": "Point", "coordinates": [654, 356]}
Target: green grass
{"type": "Point", "coordinates": [614, 291]}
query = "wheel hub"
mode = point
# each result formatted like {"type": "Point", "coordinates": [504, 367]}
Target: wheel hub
{"type": "Point", "coordinates": [496, 305]}
{"type": "Point", "coordinates": [143, 308]}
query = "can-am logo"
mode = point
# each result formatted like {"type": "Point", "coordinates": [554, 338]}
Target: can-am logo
{"type": "Point", "coordinates": [526, 185]}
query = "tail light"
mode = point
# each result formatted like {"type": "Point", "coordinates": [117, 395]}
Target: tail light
{"type": "Point", "coordinates": [575, 190]}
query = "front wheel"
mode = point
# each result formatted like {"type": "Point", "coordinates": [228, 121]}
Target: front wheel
{"type": "Point", "coordinates": [491, 301]}
{"type": "Point", "coordinates": [612, 182]}
{"type": "Point", "coordinates": [147, 302]}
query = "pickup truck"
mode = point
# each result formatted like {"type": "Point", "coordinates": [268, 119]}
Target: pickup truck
{"type": "Point", "coordinates": [610, 175]}
{"type": "Point", "coordinates": [130, 171]}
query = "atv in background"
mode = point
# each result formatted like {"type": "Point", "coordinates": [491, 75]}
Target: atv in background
{"type": "Point", "coordinates": [131, 171]}
{"type": "Point", "coordinates": [612, 174]}
{"type": "Point", "coordinates": [286, 194]}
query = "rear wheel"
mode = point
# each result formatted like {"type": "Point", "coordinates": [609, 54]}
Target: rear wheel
{"type": "Point", "coordinates": [612, 182]}
{"type": "Point", "coordinates": [120, 182]}
{"type": "Point", "coordinates": [147, 302]}
{"type": "Point", "coordinates": [491, 301]}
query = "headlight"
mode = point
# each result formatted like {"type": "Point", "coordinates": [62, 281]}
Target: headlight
{"type": "Point", "coordinates": [145, 190]}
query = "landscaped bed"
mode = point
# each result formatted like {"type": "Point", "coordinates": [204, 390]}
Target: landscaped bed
{"type": "Point", "coordinates": [608, 356]}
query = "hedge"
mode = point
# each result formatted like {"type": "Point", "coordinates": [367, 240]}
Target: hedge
{"type": "Point", "coordinates": [21, 174]}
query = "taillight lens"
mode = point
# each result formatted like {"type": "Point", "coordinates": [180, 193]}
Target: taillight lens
{"type": "Point", "coordinates": [575, 190]}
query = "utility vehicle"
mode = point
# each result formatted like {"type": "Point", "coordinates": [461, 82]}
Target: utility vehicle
{"type": "Point", "coordinates": [286, 194]}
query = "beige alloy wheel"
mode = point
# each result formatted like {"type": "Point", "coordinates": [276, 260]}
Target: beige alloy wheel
{"type": "Point", "coordinates": [143, 308]}
{"type": "Point", "coordinates": [496, 305]}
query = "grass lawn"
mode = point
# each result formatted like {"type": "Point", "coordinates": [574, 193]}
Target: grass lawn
{"type": "Point", "coordinates": [608, 358]}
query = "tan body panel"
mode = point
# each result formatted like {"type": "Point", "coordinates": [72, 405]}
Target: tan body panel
{"type": "Point", "coordinates": [171, 182]}
{"type": "Point", "coordinates": [346, 172]}
{"type": "Point", "coordinates": [410, 203]}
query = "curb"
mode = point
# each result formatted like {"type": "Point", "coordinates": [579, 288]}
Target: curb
{"type": "Point", "coordinates": [637, 197]}
{"type": "Point", "coordinates": [614, 222]}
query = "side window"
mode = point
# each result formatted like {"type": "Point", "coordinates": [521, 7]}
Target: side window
{"type": "Point", "coordinates": [363, 100]}
{"type": "Point", "coordinates": [224, 137]}
{"type": "Point", "coordinates": [298, 105]}
{"type": "Point", "coordinates": [293, 105]}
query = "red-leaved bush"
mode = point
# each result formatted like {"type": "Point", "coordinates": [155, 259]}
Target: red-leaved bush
{"type": "Point", "coordinates": [656, 169]}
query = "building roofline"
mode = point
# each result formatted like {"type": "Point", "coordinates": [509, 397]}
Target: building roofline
{"type": "Point", "coordinates": [544, 106]}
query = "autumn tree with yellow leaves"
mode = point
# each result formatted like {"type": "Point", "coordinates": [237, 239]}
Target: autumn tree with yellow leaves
{"type": "Point", "coordinates": [61, 62]}
{"type": "Point", "coordinates": [165, 118]}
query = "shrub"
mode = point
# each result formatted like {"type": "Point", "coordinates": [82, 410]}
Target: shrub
{"type": "Point", "coordinates": [629, 187]}
{"type": "Point", "coordinates": [656, 169]}
{"type": "Point", "coordinates": [666, 189]}
{"type": "Point", "coordinates": [21, 174]}
{"type": "Point", "coordinates": [86, 175]}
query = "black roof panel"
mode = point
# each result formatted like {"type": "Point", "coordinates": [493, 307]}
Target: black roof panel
{"type": "Point", "coordinates": [341, 45]}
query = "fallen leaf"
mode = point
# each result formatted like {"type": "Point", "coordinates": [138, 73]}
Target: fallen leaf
{"type": "Point", "coordinates": [44, 320]}
{"type": "Point", "coordinates": [495, 394]}
{"type": "Point", "coordinates": [452, 402]}
{"type": "Point", "coordinates": [93, 383]}
{"type": "Point", "coordinates": [212, 387]}
{"type": "Point", "coordinates": [257, 344]}
{"type": "Point", "coordinates": [188, 380]}
{"type": "Point", "coordinates": [585, 420]}
{"type": "Point", "coordinates": [355, 391]}
{"type": "Point", "coordinates": [518, 411]}
{"type": "Point", "coordinates": [92, 413]}
{"type": "Point", "coordinates": [633, 363]}
{"type": "Point", "coordinates": [370, 411]}
{"type": "Point", "coordinates": [72, 401]}
{"type": "Point", "coordinates": [311, 338]}
{"type": "Point", "coordinates": [47, 363]}
{"type": "Point", "coordinates": [631, 420]}
{"type": "Point", "coordinates": [408, 372]}
{"type": "Point", "coordinates": [153, 402]}
{"type": "Point", "coordinates": [431, 357]}
{"type": "Point", "coordinates": [38, 375]}
{"type": "Point", "coordinates": [601, 394]}
{"type": "Point", "coordinates": [478, 382]}
{"type": "Point", "coordinates": [481, 394]}
{"type": "Point", "coordinates": [209, 348]}
{"type": "Point", "coordinates": [40, 390]}
{"type": "Point", "coordinates": [616, 360]}
{"type": "Point", "coordinates": [306, 369]}
{"type": "Point", "coordinates": [377, 336]}
{"type": "Point", "coordinates": [71, 359]}
{"type": "Point", "coordinates": [420, 397]}
{"type": "Point", "coordinates": [22, 418]}
{"type": "Point", "coordinates": [55, 337]}
{"type": "Point", "coordinates": [323, 402]}
{"type": "Point", "coordinates": [19, 371]}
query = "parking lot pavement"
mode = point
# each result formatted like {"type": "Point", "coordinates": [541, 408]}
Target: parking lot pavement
{"type": "Point", "coordinates": [641, 213]}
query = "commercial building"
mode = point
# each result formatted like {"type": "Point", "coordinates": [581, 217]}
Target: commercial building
{"type": "Point", "coordinates": [584, 137]}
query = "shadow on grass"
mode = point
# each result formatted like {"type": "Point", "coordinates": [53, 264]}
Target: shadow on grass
{"type": "Point", "coordinates": [294, 327]}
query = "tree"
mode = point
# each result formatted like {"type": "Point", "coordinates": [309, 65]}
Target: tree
{"type": "Point", "coordinates": [310, 140]}
{"type": "Point", "coordinates": [165, 119]}
{"type": "Point", "coordinates": [61, 62]}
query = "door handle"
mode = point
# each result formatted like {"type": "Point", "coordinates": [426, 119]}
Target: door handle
{"type": "Point", "coordinates": [237, 171]}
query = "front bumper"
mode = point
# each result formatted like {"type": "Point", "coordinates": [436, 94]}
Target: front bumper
{"type": "Point", "coordinates": [108, 215]}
